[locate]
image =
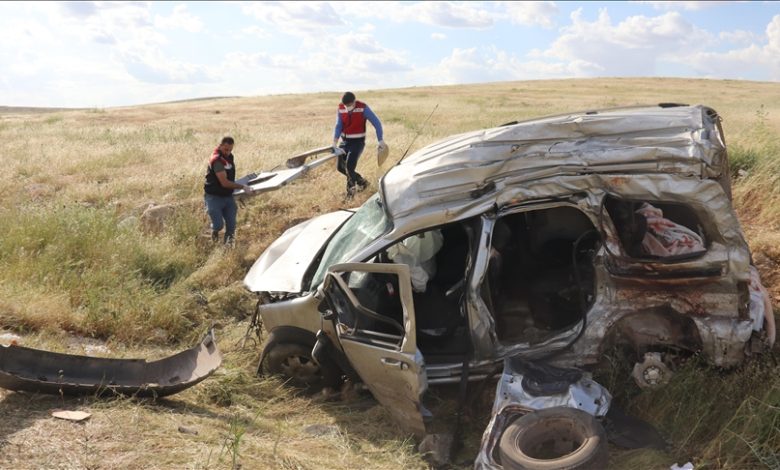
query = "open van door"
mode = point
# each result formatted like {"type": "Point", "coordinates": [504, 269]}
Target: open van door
{"type": "Point", "coordinates": [372, 307]}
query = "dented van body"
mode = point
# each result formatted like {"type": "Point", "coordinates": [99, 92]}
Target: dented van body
{"type": "Point", "coordinates": [536, 220]}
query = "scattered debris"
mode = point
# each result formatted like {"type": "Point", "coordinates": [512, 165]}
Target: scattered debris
{"type": "Point", "coordinates": [319, 430]}
{"type": "Point", "coordinates": [687, 466]}
{"type": "Point", "coordinates": [71, 415]}
{"type": "Point", "coordinates": [185, 430]}
{"type": "Point", "coordinates": [39, 371]}
{"type": "Point", "coordinates": [9, 339]}
{"type": "Point", "coordinates": [437, 448]}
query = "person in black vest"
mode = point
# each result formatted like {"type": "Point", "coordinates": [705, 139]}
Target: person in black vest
{"type": "Point", "coordinates": [219, 186]}
{"type": "Point", "coordinates": [351, 128]}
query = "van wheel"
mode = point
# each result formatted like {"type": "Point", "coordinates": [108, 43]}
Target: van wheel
{"type": "Point", "coordinates": [554, 438]}
{"type": "Point", "coordinates": [652, 372]}
{"type": "Point", "coordinates": [294, 362]}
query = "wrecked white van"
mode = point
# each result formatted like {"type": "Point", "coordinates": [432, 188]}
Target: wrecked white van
{"type": "Point", "coordinates": [524, 241]}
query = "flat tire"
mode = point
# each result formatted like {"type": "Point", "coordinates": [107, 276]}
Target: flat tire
{"type": "Point", "coordinates": [558, 438]}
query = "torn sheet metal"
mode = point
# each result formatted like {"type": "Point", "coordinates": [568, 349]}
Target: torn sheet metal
{"type": "Point", "coordinates": [278, 177]}
{"type": "Point", "coordinates": [513, 398]}
{"type": "Point", "coordinates": [33, 370]}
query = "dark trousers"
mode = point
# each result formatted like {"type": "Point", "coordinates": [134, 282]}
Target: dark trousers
{"type": "Point", "coordinates": [222, 211]}
{"type": "Point", "coordinates": [347, 163]}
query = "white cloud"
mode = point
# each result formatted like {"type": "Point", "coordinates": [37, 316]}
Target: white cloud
{"type": "Point", "coordinates": [443, 14]}
{"type": "Point", "coordinates": [153, 67]}
{"type": "Point", "coordinates": [755, 61]}
{"type": "Point", "coordinates": [295, 17]}
{"type": "Point", "coordinates": [438, 36]}
{"type": "Point", "coordinates": [256, 31]}
{"type": "Point", "coordinates": [355, 61]}
{"type": "Point", "coordinates": [72, 53]}
{"type": "Point", "coordinates": [633, 47]}
{"type": "Point", "coordinates": [179, 19]}
{"type": "Point", "coordinates": [692, 5]}
{"type": "Point", "coordinates": [739, 37]}
{"type": "Point", "coordinates": [532, 13]}
{"type": "Point", "coordinates": [493, 64]}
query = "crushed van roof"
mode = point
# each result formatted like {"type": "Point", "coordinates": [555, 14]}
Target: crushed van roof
{"type": "Point", "coordinates": [671, 139]}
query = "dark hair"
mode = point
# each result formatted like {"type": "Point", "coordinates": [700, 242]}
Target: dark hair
{"type": "Point", "coordinates": [348, 98]}
{"type": "Point", "coordinates": [227, 140]}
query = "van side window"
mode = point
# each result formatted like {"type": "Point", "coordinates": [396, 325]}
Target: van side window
{"type": "Point", "coordinates": [652, 230]}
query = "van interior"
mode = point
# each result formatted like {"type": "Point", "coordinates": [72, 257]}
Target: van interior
{"type": "Point", "coordinates": [441, 326]}
{"type": "Point", "coordinates": [540, 274]}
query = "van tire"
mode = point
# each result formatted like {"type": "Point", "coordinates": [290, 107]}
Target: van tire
{"type": "Point", "coordinates": [554, 438]}
{"type": "Point", "coordinates": [294, 363]}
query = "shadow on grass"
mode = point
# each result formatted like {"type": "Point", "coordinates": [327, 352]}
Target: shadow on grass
{"type": "Point", "coordinates": [20, 410]}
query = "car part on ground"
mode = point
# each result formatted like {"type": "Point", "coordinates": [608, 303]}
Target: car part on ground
{"type": "Point", "coordinates": [652, 372]}
{"type": "Point", "coordinates": [34, 370]}
{"type": "Point", "coordinates": [525, 387]}
{"type": "Point", "coordinates": [554, 438]}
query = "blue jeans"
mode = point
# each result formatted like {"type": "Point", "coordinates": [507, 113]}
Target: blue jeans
{"type": "Point", "coordinates": [222, 211]}
{"type": "Point", "coordinates": [347, 163]}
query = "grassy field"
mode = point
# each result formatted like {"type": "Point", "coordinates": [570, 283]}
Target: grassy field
{"type": "Point", "coordinates": [75, 267]}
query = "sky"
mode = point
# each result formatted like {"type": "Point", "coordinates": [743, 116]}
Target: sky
{"type": "Point", "coordinates": [103, 54]}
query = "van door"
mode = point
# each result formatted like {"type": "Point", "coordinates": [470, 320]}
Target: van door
{"type": "Point", "coordinates": [372, 308]}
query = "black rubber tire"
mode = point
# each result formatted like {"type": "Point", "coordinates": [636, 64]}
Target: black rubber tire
{"type": "Point", "coordinates": [294, 363]}
{"type": "Point", "coordinates": [559, 438]}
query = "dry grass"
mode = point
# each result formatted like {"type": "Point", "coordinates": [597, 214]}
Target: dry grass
{"type": "Point", "coordinates": [72, 262]}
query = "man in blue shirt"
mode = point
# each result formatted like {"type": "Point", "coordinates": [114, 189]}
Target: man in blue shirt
{"type": "Point", "coordinates": [351, 129]}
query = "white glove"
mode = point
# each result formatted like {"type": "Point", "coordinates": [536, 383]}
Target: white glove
{"type": "Point", "coordinates": [247, 189]}
{"type": "Point", "coordinates": [382, 146]}
{"type": "Point", "coordinates": [339, 151]}
{"type": "Point", "coordinates": [335, 143]}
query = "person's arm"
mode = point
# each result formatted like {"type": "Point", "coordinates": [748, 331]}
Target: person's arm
{"type": "Point", "coordinates": [337, 131]}
{"type": "Point", "coordinates": [226, 183]}
{"type": "Point", "coordinates": [219, 171]}
{"type": "Point", "coordinates": [374, 120]}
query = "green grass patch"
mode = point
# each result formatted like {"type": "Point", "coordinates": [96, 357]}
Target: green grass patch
{"type": "Point", "coordinates": [117, 281]}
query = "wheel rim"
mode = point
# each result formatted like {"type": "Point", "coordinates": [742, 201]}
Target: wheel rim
{"type": "Point", "coordinates": [300, 368]}
{"type": "Point", "coordinates": [543, 445]}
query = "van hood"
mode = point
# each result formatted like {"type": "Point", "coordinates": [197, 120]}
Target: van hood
{"type": "Point", "coordinates": [283, 264]}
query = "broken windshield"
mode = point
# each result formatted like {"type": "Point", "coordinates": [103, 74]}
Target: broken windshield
{"type": "Point", "coordinates": [368, 223]}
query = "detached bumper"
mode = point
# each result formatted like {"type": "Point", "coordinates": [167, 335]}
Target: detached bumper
{"type": "Point", "coordinates": [33, 370]}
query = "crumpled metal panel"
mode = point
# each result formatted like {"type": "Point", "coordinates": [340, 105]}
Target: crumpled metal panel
{"type": "Point", "coordinates": [283, 264]}
{"type": "Point", "coordinates": [272, 180]}
{"type": "Point", "coordinates": [511, 399]}
{"type": "Point", "coordinates": [33, 370]}
{"type": "Point", "coordinates": [680, 140]}
{"type": "Point", "coordinates": [727, 256]}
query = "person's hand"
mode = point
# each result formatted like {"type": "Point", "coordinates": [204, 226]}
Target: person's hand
{"type": "Point", "coordinates": [338, 151]}
{"type": "Point", "coordinates": [382, 146]}
{"type": "Point", "coordinates": [247, 189]}
{"type": "Point", "coordinates": [335, 143]}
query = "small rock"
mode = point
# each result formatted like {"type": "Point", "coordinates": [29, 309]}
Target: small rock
{"type": "Point", "coordinates": [319, 430]}
{"type": "Point", "coordinates": [154, 219]}
{"type": "Point", "coordinates": [185, 430]}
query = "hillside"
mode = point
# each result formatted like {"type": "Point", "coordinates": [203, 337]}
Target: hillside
{"type": "Point", "coordinates": [75, 267]}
